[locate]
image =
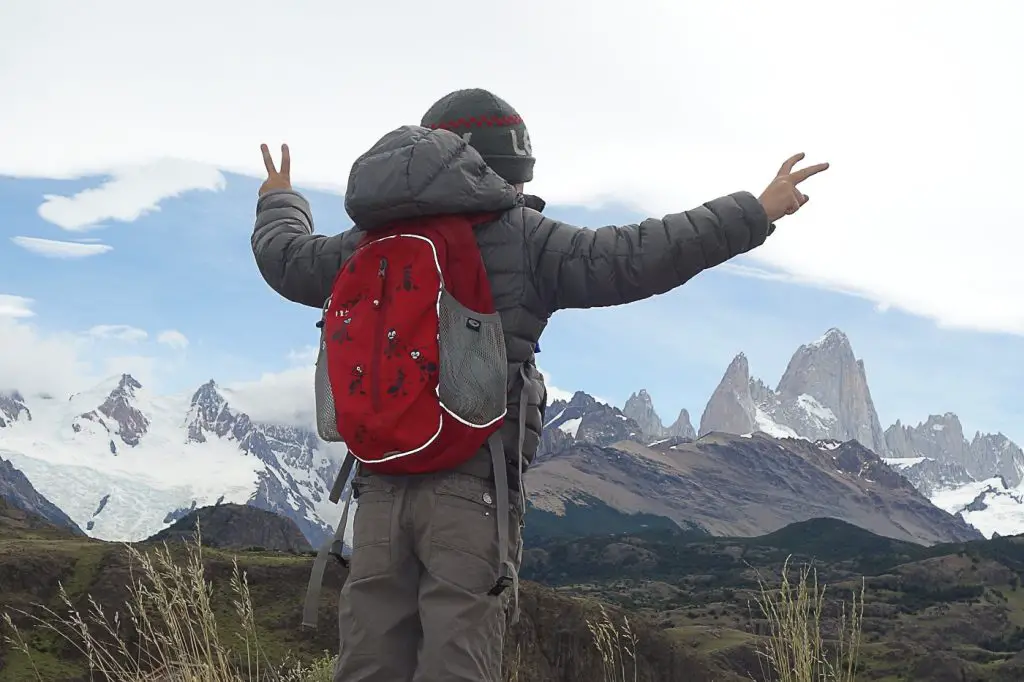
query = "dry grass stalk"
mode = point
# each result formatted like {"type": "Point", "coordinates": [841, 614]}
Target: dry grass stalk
{"type": "Point", "coordinates": [175, 635]}
{"type": "Point", "coordinates": [795, 649]}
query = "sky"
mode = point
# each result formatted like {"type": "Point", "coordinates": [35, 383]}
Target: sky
{"type": "Point", "coordinates": [127, 192]}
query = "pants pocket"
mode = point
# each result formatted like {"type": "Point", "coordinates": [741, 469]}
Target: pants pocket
{"type": "Point", "coordinates": [372, 528]}
{"type": "Point", "coordinates": [464, 533]}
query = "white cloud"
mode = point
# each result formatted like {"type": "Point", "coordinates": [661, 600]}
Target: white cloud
{"type": "Point", "coordinates": [35, 362]}
{"type": "Point", "coordinates": [277, 397]}
{"type": "Point", "coordinates": [15, 306]}
{"type": "Point", "coordinates": [118, 332]}
{"type": "Point", "coordinates": [554, 393]}
{"type": "Point", "coordinates": [52, 248]}
{"type": "Point", "coordinates": [770, 275]}
{"type": "Point", "coordinates": [914, 113]}
{"type": "Point", "coordinates": [173, 339]}
{"type": "Point", "coordinates": [130, 193]}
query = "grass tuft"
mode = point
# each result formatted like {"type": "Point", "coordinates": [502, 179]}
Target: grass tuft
{"type": "Point", "coordinates": [795, 649]}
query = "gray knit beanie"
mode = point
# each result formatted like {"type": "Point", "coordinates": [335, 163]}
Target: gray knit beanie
{"type": "Point", "coordinates": [491, 126]}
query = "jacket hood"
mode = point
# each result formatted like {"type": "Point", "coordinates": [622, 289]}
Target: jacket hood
{"type": "Point", "coordinates": [413, 172]}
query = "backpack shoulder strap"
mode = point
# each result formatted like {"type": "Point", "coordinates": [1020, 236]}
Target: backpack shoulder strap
{"type": "Point", "coordinates": [508, 570]}
{"type": "Point", "coordinates": [333, 547]}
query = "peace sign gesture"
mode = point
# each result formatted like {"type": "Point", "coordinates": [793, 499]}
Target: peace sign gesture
{"type": "Point", "coordinates": [781, 197]}
{"type": "Point", "coordinates": [276, 179]}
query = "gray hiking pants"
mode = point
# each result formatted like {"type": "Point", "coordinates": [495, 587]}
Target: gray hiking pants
{"type": "Point", "coordinates": [415, 607]}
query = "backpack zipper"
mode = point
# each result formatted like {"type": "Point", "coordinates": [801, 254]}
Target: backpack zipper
{"type": "Point", "coordinates": [378, 344]}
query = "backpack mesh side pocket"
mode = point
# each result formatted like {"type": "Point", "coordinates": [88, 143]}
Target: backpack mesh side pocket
{"type": "Point", "coordinates": [326, 417]}
{"type": "Point", "coordinates": [473, 369]}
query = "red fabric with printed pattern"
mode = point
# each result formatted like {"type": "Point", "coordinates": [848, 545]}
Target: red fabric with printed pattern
{"type": "Point", "coordinates": [381, 330]}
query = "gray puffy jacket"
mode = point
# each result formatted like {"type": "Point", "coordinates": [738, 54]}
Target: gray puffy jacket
{"type": "Point", "coordinates": [535, 265]}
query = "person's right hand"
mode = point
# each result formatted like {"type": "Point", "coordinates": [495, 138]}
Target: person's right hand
{"type": "Point", "coordinates": [276, 179]}
{"type": "Point", "coordinates": [781, 197]}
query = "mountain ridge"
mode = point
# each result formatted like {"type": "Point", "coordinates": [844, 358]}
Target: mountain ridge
{"type": "Point", "coordinates": [116, 438]}
{"type": "Point", "coordinates": [143, 461]}
{"type": "Point", "coordinates": [740, 486]}
{"type": "Point", "coordinates": [824, 394]}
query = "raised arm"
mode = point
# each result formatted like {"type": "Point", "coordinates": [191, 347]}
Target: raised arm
{"type": "Point", "coordinates": [580, 268]}
{"type": "Point", "coordinates": [299, 265]}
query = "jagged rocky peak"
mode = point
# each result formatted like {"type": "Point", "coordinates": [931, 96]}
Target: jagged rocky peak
{"type": "Point", "coordinates": [731, 408]}
{"type": "Point", "coordinates": [584, 419]}
{"type": "Point", "coordinates": [209, 412]}
{"type": "Point", "coordinates": [682, 427]}
{"type": "Point", "coordinates": [830, 384]}
{"type": "Point", "coordinates": [120, 413]}
{"type": "Point", "coordinates": [640, 408]}
{"type": "Point", "coordinates": [13, 408]}
{"type": "Point", "coordinates": [940, 437]}
{"type": "Point", "coordinates": [993, 454]}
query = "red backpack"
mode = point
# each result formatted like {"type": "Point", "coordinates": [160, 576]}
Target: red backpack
{"type": "Point", "coordinates": [412, 372]}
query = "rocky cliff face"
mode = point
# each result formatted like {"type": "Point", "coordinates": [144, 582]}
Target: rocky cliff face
{"type": "Point", "coordinates": [831, 386]}
{"type": "Point", "coordinates": [731, 408]}
{"type": "Point", "coordinates": [119, 414]}
{"type": "Point", "coordinates": [940, 439]}
{"type": "Point", "coordinates": [682, 427]}
{"type": "Point", "coordinates": [584, 420]}
{"type": "Point", "coordinates": [17, 491]}
{"type": "Point", "coordinates": [823, 394]}
{"type": "Point", "coordinates": [640, 408]}
{"type": "Point", "coordinates": [992, 455]}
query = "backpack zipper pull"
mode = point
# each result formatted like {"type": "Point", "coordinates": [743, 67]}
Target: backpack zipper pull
{"type": "Point", "coordinates": [381, 275]}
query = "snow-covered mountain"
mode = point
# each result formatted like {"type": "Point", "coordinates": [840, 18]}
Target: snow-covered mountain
{"type": "Point", "coordinates": [124, 463]}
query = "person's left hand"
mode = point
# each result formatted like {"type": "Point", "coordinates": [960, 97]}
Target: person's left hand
{"type": "Point", "coordinates": [276, 179]}
{"type": "Point", "coordinates": [782, 198]}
